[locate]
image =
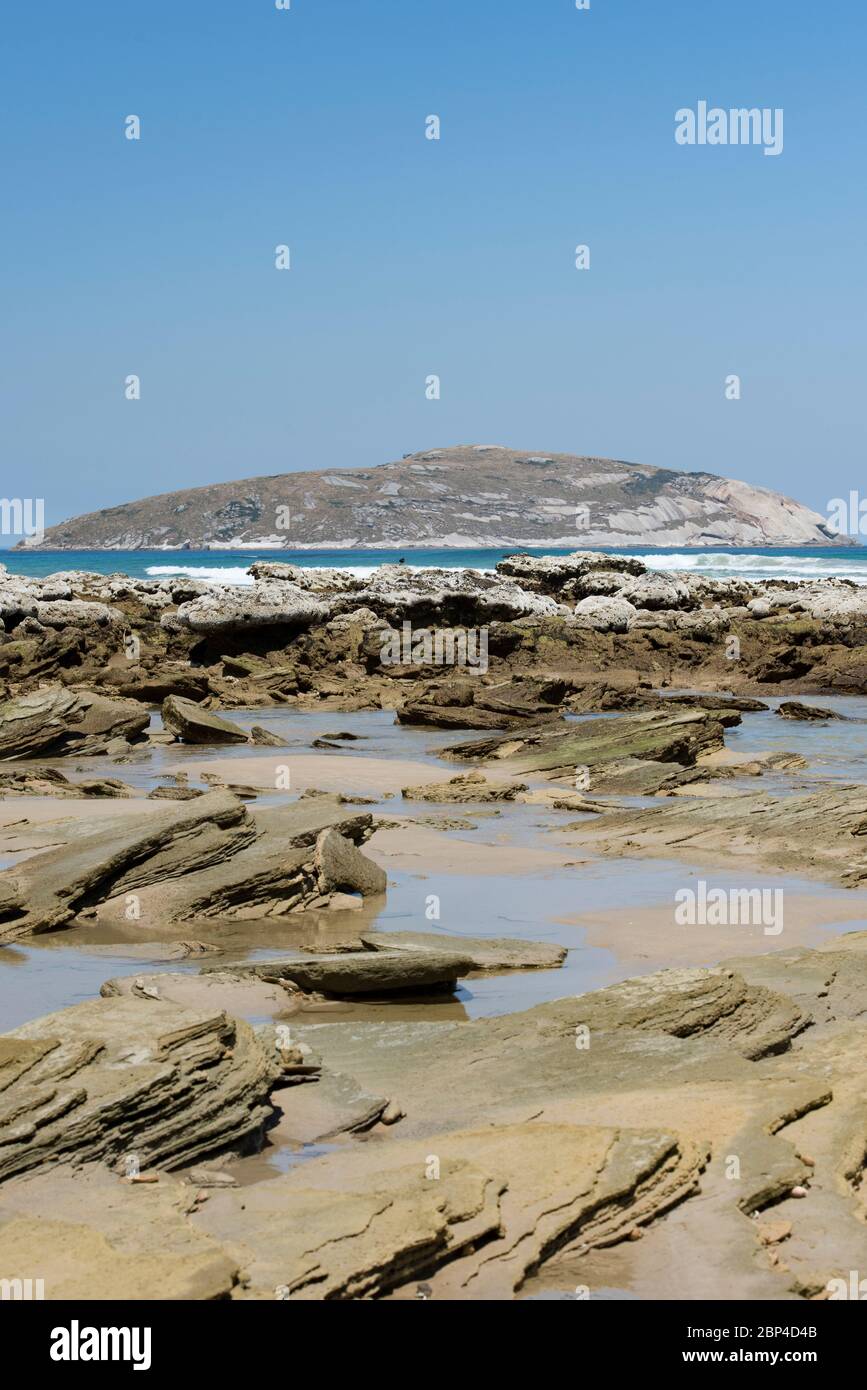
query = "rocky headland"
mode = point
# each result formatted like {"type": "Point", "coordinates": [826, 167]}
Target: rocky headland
{"type": "Point", "coordinates": [473, 495]}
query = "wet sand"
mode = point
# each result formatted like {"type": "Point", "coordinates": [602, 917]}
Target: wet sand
{"type": "Point", "coordinates": [643, 937]}
{"type": "Point", "coordinates": [508, 870]}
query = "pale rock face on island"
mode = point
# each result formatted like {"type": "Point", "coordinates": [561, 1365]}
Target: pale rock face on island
{"type": "Point", "coordinates": [471, 496]}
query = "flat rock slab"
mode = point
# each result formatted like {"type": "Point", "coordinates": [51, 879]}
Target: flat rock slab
{"type": "Point", "coordinates": [466, 788]}
{"type": "Point", "coordinates": [380, 971]}
{"type": "Point", "coordinates": [50, 781]}
{"type": "Point", "coordinates": [823, 833]}
{"type": "Point", "coordinates": [89, 1232]}
{"type": "Point", "coordinates": [565, 800]}
{"type": "Point", "coordinates": [332, 1105]}
{"type": "Point", "coordinates": [490, 954]}
{"type": "Point", "coordinates": [743, 703]}
{"type": "Point", "coordinates": [436, 716]}
{"type": "Point", "coordinates": [243, 995]}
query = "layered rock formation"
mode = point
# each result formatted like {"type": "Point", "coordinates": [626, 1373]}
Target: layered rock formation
{"type": "Point", "coordinates": [194, 859]}
{"type": "Point", "coordinates": [704, 1123]}
{"type": "Point", "coordinates": [631, 754]}
{"type": "Point", "coordinates": [59, 722]}
{"type": "Point", "coordinates": [823, 833]}
{"type": "Point", "coordinates": [131, 1082]}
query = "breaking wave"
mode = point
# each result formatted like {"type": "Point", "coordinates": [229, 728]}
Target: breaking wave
{"type": "Point", "coordinates": [730, 565]}
{"type": "Point", "coordinates": [227, 574]}
{"type": "Point", "coordinates": [214, 574]}
{"type": "Point", "coordinates": [715, 564]}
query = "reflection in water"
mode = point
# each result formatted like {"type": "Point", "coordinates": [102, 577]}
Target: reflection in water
{"type": "Point", "coordinates": [53, 971]}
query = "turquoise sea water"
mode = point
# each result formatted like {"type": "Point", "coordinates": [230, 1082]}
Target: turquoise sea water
{"type": "Point", "coordinates": [230, 566]}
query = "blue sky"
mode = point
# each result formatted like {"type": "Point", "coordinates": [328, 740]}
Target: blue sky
{"type": "Point", "coordinates": [412, 257]}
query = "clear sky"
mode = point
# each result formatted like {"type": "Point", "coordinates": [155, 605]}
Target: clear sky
{"type": "Point", "coordinates": [412, 257]}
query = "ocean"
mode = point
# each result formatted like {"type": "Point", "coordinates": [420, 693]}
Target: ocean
{"type": "Point", "coordinates": [231, 566]}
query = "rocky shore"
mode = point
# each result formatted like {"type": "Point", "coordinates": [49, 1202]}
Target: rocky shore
{"type": "Point", "coordinates": [701, 1126]}
{"type": "Point", "coordinates": [577, 633]}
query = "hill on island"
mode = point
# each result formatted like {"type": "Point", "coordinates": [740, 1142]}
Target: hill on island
{"type": "Point", "coordinates": [471, 496]}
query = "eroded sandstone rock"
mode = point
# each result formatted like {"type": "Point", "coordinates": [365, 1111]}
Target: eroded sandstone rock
{"type": "Point", "coordinates": [466, 788]}
{"type": "Point", "coordinates": [61, 722]}
{"type": "Point", "coordinates": [822, 833]}
{"type": "Point", "coordinates": [192, 724]}
{"type": "Point", "coordinates": [376, 970]}
{"type": "Point", "coordinates": [525, 1143]}
{"type": "Point", "coordinates": [267, 604]}
{"type": "Point", "coordinates": [484, 953]}
{"type": "Point", "coordinates": [642, 752]}
{"type": "Point", "coordinates": [207, 857]}
{"type": "Point", "coordinates": [501, 1198]}
{"type": "Point", "coordinates": [126, 1080]}
{"type": "Point", "coordinates": [50, 781]}
{"type": "Point", "coordinates": [794, 709]}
